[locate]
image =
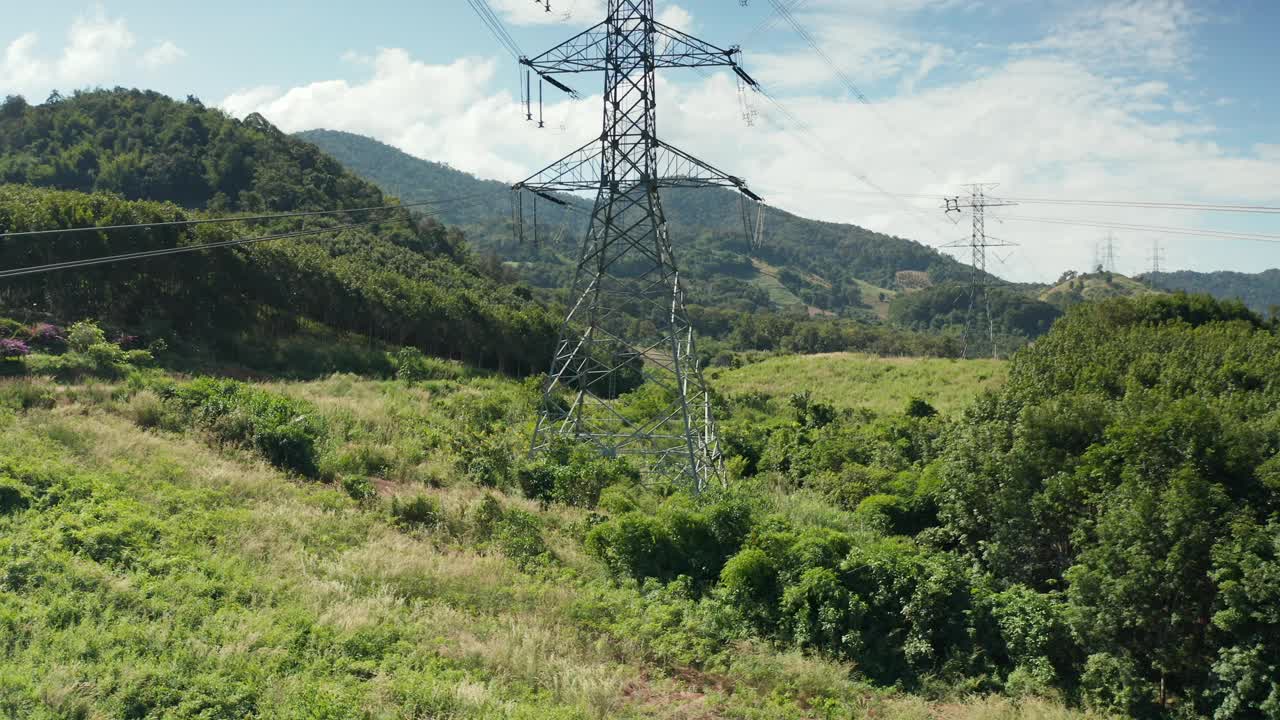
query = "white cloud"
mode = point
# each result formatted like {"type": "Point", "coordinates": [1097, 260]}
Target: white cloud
{"type": "Point", "coordinates": [674, 16]}
{"type": "Point", "coordinates": [1047, 124]}
{"type": "Point", "coordinates": [1153, 35]}
{"type": "Point", "coordinates": [455, 116]}
{"type": "Point", "coordinates": [96, 46]}
{"type": "Point", "coordinates": [162, 55]}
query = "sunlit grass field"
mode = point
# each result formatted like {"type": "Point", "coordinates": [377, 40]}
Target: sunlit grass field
{"type": "Point", "coordinates": [148, 570]}
{"type": "Point", "coordinates": [856, 381]}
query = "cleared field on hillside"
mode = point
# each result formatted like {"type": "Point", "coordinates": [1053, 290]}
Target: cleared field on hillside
{"type": "Point", "coordinates": [851, 380]}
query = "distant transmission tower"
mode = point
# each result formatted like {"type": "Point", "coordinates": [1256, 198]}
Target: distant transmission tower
{"type": "Point", "coordinates": [627, 322]}
{"type": "Point", "coordinates": [1109, 253]}
{"type": "Point", "coordinates": [978, 242]}
{"type": "Point", "coordinates": [1157, 257]}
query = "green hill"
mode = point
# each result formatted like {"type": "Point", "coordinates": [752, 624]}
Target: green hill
{"type": "Point", "coordinates": [126, 156]}
{"type": "Point", "coordinates": [826, 266]}
{"type": "Point", "coordinates": [1260, 291]}
{"type": "Point", "coordinates": [1093, 286]}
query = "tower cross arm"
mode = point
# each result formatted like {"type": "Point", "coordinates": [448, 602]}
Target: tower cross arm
{"type": "Point", "coordinates": [677, 168]}
{"type": "Point", "coordinates": [676, 49]}
{"type": "Point", "coordinates": [577, 171]}
{"type": "Point", "coordinates": [585, 52]}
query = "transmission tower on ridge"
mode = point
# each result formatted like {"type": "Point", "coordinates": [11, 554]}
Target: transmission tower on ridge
{"type": "Point", "coordinates": [978, 242]}
{"type": "Point", "coordinates": [1109, 253]}
{"type": "Point", "coordinates": [627, 322]}
{"type": "Point", "coordinates": [1157, 257]}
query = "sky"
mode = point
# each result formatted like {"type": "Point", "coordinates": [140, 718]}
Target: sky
{"type": "Point", "coordinates": [1133, 100]}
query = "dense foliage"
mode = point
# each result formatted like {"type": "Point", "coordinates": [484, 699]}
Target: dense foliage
{"type": "Point", "coordinates": [1260, 291]}
{"type": "Point", "coordinates": [404, 280]}
{"type": "Point", "coordinates": [1016, 317]}
{"type": "Point", "coordinates": [1103, 526]}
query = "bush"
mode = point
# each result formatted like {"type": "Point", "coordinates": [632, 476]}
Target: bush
{"type": "Point", "coordinates": [50, 338]}
{"type": "Point", "coordinates": [25, 395]}
{"type": "Point", "coordinates": [10, 348]}
{"type": "Point", "coordinates": [283, 430]}
{"type": "Point", "coordinates": [412, 366]}
{"type": "Point", "coordinates": [576, 477]}
{"type": "Point", "coordinates": [84, 335]}
{"type": "Point", "coordinates": [419, 511]}
{"type": "Point", "coordinates": [519, 535]}
{"type": "Point", "coordinates": [359, 488]}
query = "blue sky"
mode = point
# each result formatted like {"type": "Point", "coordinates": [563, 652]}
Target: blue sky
{"type": "Point", "coordinates": [1167, 100]}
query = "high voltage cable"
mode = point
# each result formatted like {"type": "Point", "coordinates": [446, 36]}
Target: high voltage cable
{"type": "Point", "coordinates": [1139, 204]}
{"type": "Point", "coordinates": [772, 19]}
{"type": "Point", "coordinates": [495, 25]}
{"type": "Point", "coordinates": [241, 218]}
{"type": "Point", "coordinates": [827, 148]}
{"type": "Point", "coordinates": [804, 35]}
{"type": "Point", "coordinates": [1152, 205]}
{"type": "Point", "coordinates": [1220, 234]}
{"type": "Point", "coordinates": [781, 9]}
{"type": "Point", "coordinates": [73, 264]}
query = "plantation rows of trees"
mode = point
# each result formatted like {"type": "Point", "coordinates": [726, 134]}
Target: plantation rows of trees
{"type": "Point", "coordinates": [1105, 528]}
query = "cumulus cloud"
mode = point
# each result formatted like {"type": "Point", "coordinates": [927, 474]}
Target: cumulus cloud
{"type": "Point", "coordinates": [674, 16]}
{"type": "Point", "coordinates": [162, 55]}
{"type": "Point", "coordinates": [1043, 124]}
{"type": "Point", "coordinates": [96, 46]}
{"type": "Point", "coordinates": [1145, 34]}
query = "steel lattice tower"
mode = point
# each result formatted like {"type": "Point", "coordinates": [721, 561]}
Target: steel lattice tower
{"type": "Point", "coordinates": [627, 324]}
{"type": "Point", "coordinates": [978, 242]}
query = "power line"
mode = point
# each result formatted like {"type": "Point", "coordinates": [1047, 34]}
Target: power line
{"type": "Point", "coordinates": [1219, 234]}
{"type": "Point", "coordinates": [495, 25]}
{"type": "Point", "coordinates": [770, 21]}
{"type": "Point", "coordinates": [1140, 204]}
{"type": "Point", "coordinates": [826, 149]}
{"type": "Point", "coordinates": [238, 218]}
{"type": "Point", "coordinates": [141, 255]}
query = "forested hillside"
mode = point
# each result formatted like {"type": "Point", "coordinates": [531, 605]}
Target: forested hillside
{"type": "Point", "coordinates": [403, 280]}
{"type": "Point", "coordinates": [1260, 291]}
{"type": "Point", "coordinates": [818, 264]}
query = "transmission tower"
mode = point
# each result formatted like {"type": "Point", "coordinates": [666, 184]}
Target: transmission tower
{"type": "Point", "coordinates": [1109, 253]}
{"type": "Point", "coordinates": [1157, 257]}
{"type": "Point", "coordinates": [627, 324]}
{"type": "Point", "coordinates": [978, 242]}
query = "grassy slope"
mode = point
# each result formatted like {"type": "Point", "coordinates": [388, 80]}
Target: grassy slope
{"type": "Point", "coordinates": [849, 380]}
{"type": "Point", "coordinates": [163, 574]}
{"type": "Point", "coordinates": [1098, 287]}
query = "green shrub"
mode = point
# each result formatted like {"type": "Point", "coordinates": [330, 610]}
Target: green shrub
{"type": "Point", "coordinates": [13, 329]}
{"type": "Point", "coordinates": [519, 536]}
{"type": "Point", "coordinates": [819, 612]}
{"type": "Point", "coordinates": [419, 511]}
{"type": "Point", "coordinates": [284, 430]}
{"type": "Point", "coordinates": [14, 496]}
{"type": "Point", "coordinates": [577, 480]}
{"type": "Point", "coordinates": [25, 395]}
{"type": "Point", "coordinates": [617, 499]}
{"type": "Point", "coordinates": [83, 335]}
{"type": "Point", "coordinates": [749, 582]}
{"type": "Point", "coordinates": [411, 365]}
{"type": "Point", "coordinates": [360, 488]}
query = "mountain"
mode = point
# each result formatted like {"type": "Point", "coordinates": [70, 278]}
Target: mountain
{"type": "Point", "coordinates": [803, 264]}
{"type": "Point", "coordinates": [128, 156]}
{"type": "Point", "coordinates": [1260, 291]}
